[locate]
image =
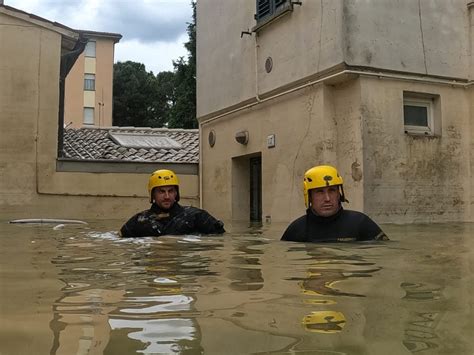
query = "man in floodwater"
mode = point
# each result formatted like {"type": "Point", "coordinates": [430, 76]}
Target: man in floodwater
{"type": "Point", "coordinates": [325, 219]}
{"type": "Point", "coordinates": [166, 216]}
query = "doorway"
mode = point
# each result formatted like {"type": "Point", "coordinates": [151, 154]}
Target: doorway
{"type": "Point", "coordinates": [256, 189]}
{"type": "Point", "coordinates": [247, 188]}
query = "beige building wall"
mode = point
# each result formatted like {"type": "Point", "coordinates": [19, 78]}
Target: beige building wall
{"type": "Point", "coordinates": [101, 99]}
{"type": "Point", "coordinates": [334, 95]}
{"type": "Point", "coordinates": [30, 184]}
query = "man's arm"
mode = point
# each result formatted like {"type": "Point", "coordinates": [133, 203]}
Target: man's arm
{"type": "Point", "coordinates": [371, 231]}
{"type": "Point", "coordinates": [295, 232]}
{"type": "Point", "coordinates": [205, 223]}
{"type": "Point", "coordinates": [138, 226]}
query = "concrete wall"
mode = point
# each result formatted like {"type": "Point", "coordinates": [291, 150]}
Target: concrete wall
{"type": "Point", "coordinates": [320, 124]}
{"type": "Point", "coordinates": [240, 60]}
{"type": "Point", "coordinates": [426, 36]}
{"type": "Point", "coordinates": [416, 178]}
{"type": "Point", "coordinates": [103, 67]}
{"type": "Point", "coordinates": [30, 186]}
{"type": "Point", "coordinates": [335, 95]}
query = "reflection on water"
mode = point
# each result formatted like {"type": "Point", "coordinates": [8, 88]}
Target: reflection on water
{"type": "Point", "coordinates": [420, 334]}
{"type": "Point", "coordinates": [82, 290]}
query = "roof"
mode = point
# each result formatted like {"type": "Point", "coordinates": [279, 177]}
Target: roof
{"type": "Point", "coordinates": [98, 144]}
{"type": "Point", "coordinates": [69, 35]}
{"type": "Point", "coordinates": [113, 36]}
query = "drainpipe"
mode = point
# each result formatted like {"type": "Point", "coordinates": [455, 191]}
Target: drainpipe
{"type": "Point", "coordinates": [67, 62]}
{"type": "Point", "coordinates": [257, 97]}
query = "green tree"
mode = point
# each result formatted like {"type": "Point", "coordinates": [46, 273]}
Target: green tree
{"type": "Point", "coordinates": [136, 102]}
{"type": "Point", "coordinates": [165, 82]}
{"type": "Point", "coordinates": [183, 112]}
{"type": "Point", "coordinates": [165, 100]}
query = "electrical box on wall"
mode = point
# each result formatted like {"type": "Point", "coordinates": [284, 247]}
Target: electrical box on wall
{"type": "Point", "coordinates": [271, 141]}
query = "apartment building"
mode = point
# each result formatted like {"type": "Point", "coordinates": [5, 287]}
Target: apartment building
{"type": "Point", "coordinates": [88, 94]}
{"type": "Point", "coordinates": [381, 89]}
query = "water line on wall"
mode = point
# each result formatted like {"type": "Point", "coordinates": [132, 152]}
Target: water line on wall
{"type": "Point", "coordinates": [379, 75]}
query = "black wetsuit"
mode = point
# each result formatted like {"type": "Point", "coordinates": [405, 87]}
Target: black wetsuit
{"type": "Point", "coordinates": [175, 221]}
{"type": "Point", "coordinates": [344, 226]}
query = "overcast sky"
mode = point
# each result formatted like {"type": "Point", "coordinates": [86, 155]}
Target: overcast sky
{"type": "Point", "coordinates": [153, 31]}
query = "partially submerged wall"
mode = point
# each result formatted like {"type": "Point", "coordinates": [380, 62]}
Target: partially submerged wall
{"type": "Point", "coordinates": [30, 185]}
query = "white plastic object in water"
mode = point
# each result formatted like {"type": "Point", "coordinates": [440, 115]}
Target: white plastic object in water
{"type": "Point", "coordinates": [48, 220]}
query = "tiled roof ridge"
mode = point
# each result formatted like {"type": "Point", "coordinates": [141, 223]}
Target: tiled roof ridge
{"type": "Point", "coordinates": [123, 128]}
{"type": "Point", "coordinates": [96, 143]}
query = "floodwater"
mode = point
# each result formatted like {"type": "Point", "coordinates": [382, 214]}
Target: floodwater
{"type": "Point", "coordinates": [81, 290]}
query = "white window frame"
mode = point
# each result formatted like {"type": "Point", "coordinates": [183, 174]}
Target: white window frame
{"type": "Point", "coordinates": [89, 82]}
{"type": "Point", "coordinates": [420, 102]}
{"type": "Point", "coordinates": [87, 118]}
{"type": "Point", "coordinates": [90, 49]}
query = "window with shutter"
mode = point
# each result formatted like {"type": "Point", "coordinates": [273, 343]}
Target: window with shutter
{"type": "Point", "coordinates": [269, 10]}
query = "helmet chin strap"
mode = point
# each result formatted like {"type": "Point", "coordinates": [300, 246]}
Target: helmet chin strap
{"type": "Point", "coordinates": [341, 192]}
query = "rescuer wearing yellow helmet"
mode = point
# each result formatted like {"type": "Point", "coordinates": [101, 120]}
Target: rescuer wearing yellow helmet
{"type": "Point", "coordinates": [166, 215]}
{"type": "Point", "coordinates": [325, 219]}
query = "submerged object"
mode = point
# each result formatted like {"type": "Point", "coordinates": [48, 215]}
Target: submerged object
{"type": "Point", "coordinates": [47, 220]}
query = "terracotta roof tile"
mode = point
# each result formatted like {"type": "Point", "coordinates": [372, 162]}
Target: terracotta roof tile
{"type": "Point", "coordinates": [96, 144]}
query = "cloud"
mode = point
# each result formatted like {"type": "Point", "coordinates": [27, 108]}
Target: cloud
{"type": "Point", "coordinates": [156, 58]}
{"type": "Point", "coordinates": [153, 31]}
{"type": "Point", "coordinates": [145, 21]}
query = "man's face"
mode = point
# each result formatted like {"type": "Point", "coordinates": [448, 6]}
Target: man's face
{"type": "Point", "coordinates": [165, 196]}
{"type": "Point", "coordinates": [325, 201]}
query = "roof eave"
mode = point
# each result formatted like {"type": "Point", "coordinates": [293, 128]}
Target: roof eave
{"type": "Point", "coordinates": [69, 36]}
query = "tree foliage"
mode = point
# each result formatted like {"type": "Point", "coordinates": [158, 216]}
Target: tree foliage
{"type": "Point", "coordinates": [183, 113]}
{"type": "Point", "coordinates": [168, 99]}
{"type": "Point", "coordinates": [136, 101]}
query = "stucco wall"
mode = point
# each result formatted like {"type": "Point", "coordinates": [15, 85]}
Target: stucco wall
{"type": "Point", "coordinates": [318, 125]}
{"type": "Point", "coordinates": [234, 56]}
{"type": "Point", "coordinates": [426, 36]}
{"type": "Point", "coordinates": [314, 29]}
{"type": "Point", "coordinates": [415, 178]}
{"type": "Point", "coordinates": [104, 78]}
{"type": "Point", "coordinates": [357, 58]}
{"type": "Point", "coordinates": [30, 186]}
{"type": "Point", "coordinates": [102, 96]}
{"type": "Point", "coordinates": [29, 55]}
{"type": "Point", "coordinates": [74, 94]}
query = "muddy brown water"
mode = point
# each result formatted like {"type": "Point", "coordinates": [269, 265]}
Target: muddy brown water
{"type": "Point", "coordinates": [81, 290]}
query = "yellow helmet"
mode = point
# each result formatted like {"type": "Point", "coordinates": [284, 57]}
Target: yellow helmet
{"type": "Point", "coordinates": [321, 176]}
{"type": "Point", "coordinates": [162, 177]}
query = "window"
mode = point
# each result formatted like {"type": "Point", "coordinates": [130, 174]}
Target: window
{"type": "Point", "coordinates": [269, 10]}
{"type": "Point", "coordinates": [419, 111]}
{"type": "Point", "coordinates": [90, 49]}
{"type": "Point", "coordinates": [88, 115]}
{"type": "Point", "coordinates": [89, 82]}
{"type": "Point", "coordinates": [139, 140]}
